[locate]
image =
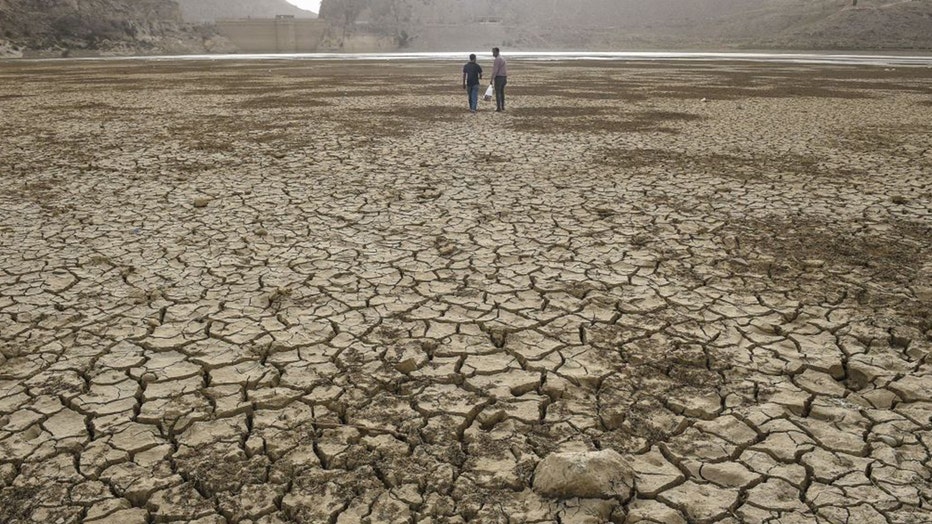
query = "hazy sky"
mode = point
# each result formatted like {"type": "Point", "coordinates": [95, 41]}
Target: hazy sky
{"type": "Point", "coordinates": [310, 5]}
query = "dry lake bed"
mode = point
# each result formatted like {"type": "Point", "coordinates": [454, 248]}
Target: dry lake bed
{"type": "Point", "coordinates": [268, 292]}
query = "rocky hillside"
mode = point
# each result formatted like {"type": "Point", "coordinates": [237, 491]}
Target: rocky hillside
{"type": "Point", "coordinates": [93, 26]}
{"type": "Point", "coordinates": [211, 10]}
{"type": "Point", "coordinates": [766, 24]}
{"type": "Point", "coordinates": [871, 24]}
{"type": "Point", "coordinates": [597, 24]}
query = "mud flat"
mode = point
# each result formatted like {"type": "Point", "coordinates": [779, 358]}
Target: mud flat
{"type": "Point", "coordinates": [324, 292]}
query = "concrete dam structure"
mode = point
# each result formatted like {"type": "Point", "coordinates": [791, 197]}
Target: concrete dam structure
{"type": "Point", "coordinates": [283, 34]}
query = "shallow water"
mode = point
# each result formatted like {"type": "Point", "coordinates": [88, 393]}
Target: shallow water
{"type": "Point", "coordinates": [801, 58]}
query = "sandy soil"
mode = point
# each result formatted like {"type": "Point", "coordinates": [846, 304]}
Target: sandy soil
{"type": "Point", "coordinates": [324, 292]}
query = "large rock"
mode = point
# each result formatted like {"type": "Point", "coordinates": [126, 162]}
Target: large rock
{"type": "Point", "coordinates": [598, 474]}
{"type": "Point", "coordinates": [8, 50]}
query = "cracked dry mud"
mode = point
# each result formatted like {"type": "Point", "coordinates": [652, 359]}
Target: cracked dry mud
{"type": "Point", "coordinates": [277, 292]}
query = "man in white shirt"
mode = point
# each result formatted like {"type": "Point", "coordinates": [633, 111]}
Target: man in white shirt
{"type": "Point", "coordinates": [499, 79]}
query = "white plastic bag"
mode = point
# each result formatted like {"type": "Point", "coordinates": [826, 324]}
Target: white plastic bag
{"type": "Point", "coordinates": [488, 94]}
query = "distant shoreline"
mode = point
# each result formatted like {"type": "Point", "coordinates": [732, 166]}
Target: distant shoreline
{"type": "Point", "coordinates": [892, 58]}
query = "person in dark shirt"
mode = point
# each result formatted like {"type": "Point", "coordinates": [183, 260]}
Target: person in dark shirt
{"type": "Point", "coordinates": [472, 76]}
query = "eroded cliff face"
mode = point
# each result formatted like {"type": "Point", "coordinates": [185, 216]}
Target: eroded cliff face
{"type": "Point", "coordinates": [627, 24]}
{"type": "Point", "coordinates": [213, 10]}
{"type": "Point", "coordinates": [95, 26]}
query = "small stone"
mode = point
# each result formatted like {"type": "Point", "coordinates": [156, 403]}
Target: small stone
{"type": "Point", "coordinates": [704, 406]}
{"type": "Point", "coordinates": [820, 383]}
{"type": "Point", "coordinates": [888, 440]}
{"type": "Point", "coordinates": [912, 388]}
{"type": "Point", "coordinates": [899, 200]}
{"type": "Point", "coordinates": [899, 341]}
{"type": "Point", "coordinates": [728, 474]}
{"type": "Point", "coordinates": [201, 202]}
{"type": "Point", "coordinates": [599, 474]}
{"type": "Point", "coordinates": [126, 516]}
{"type": "Point", "coordinates": [651, 512]}
{"type": "Point", "coordinates": [407, 365]}
{"type": "Point", "coordinates": [701, 502]}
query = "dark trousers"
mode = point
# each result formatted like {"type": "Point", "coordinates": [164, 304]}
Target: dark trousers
{"type": "Point", "coordinates": [500, 83]}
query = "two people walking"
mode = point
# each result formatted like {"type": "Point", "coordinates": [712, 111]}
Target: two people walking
{"type": "Point", "coordinates": [472, 76]}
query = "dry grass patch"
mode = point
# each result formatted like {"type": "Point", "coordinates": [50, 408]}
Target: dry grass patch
{"type": "Point", "coordinates": [728, 92]}
{"type": "Point", "coordinates": [722, 84]}
{"type": "Point", "coordinates": [283, 102]}
{"type": "Point", "coordinates": [224, 133]}
{"type": "Point", "coordinates": [355, 92]}
{"type": "Point", "coordinates": [652, 158]}
{"type": "Point", "coordinates": [427, 113]}
{"type": "Point", "coordinates": [893, 257]}
{"type": "Point", "coordinates": [725, 165]}
{"type": "Point", "coordinates": [644, 121]}
{"type": "Point", "coordinates": [98, 109]}
{"type": "Point", "coordinates": [875, 73]}
{"type": "Point", "coordinates": [450, 88]}
{"type": "Point", "coordinates": [889, 138]}
{"type": "Point", "coordinates": [623, 91]}
{"type": "Point", "coordinates": [17, 503]}
{"type": "Point", "coordinates": [559, 111]}
{"type": "Point", "coordinates": [374, 124]}
{"type": "Point", "coordinates": [813, 254]}
{"type": "Point", "coordinates": [876, 85]}
{"type": "Point", "coordinates": [373, 127]}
